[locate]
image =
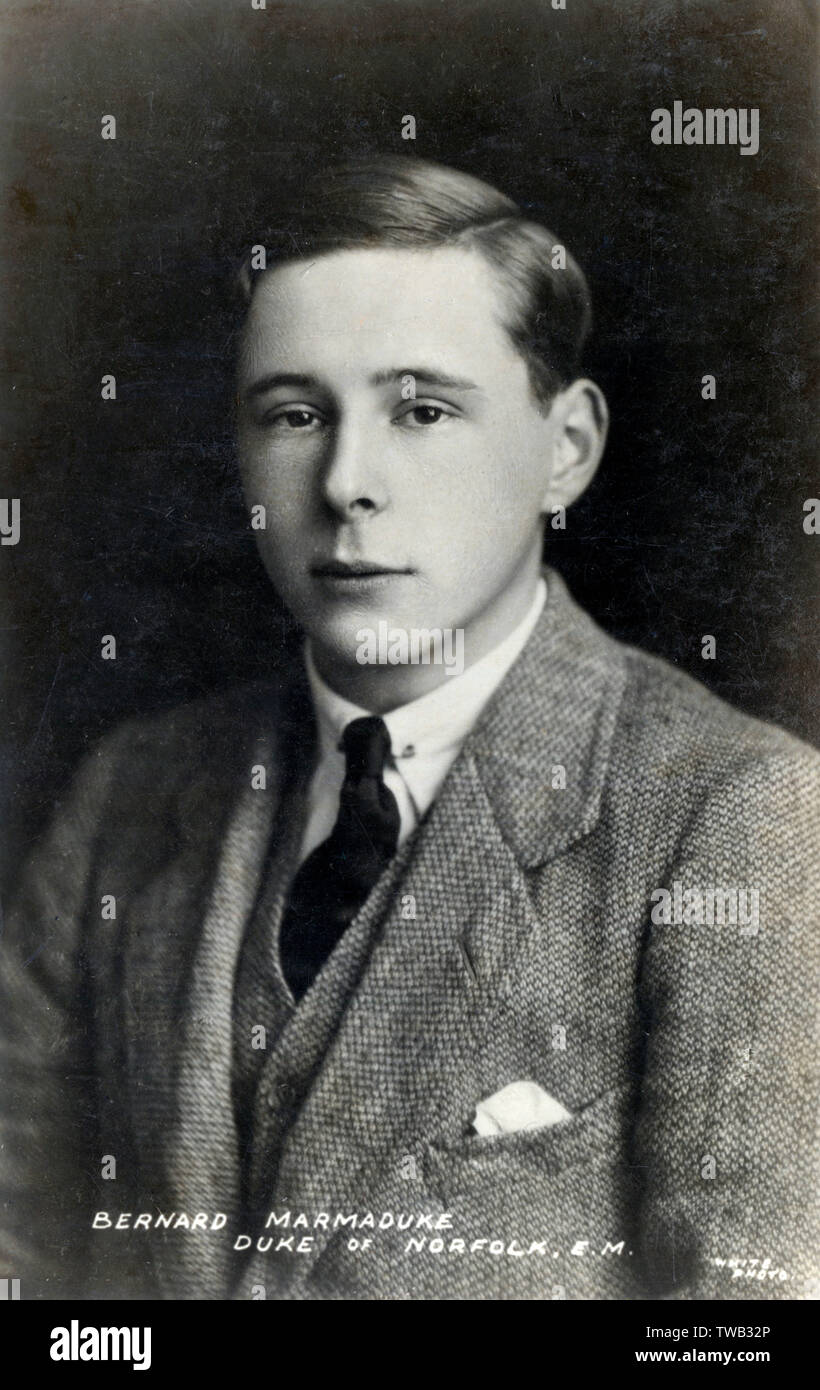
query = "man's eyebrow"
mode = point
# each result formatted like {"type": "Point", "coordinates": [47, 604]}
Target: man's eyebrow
{"type": "Point", "coordinates": [431, 375]}
{"type": "Point", "coordinates": [274, 379]}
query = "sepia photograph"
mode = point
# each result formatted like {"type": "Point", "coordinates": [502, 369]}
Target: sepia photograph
{"type": "Point", "coordinates": [410, 772]}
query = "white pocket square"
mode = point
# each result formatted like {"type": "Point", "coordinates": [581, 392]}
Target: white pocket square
{"type": "Point", "coordinates": [521, 1105]}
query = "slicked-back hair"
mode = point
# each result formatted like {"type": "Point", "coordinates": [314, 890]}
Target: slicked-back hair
{"type": "Point", "coordinates": [400, 201]}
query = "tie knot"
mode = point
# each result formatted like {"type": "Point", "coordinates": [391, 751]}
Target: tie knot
{"type": "Point", "coordinates": [366, 743]}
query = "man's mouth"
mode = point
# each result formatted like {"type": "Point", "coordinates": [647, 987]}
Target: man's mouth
{"type": "Point", "coordinates": [354, 569]}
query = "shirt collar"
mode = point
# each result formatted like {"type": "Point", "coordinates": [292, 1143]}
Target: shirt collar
{"type": "Point", "coordinates": [435, 723]}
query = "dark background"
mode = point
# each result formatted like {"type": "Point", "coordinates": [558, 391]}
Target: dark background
{"type": "Point", "coordinates": [116, 256]}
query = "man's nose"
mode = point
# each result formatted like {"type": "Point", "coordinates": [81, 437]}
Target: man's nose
{"type": "Point", "coordinates": [353, 482]}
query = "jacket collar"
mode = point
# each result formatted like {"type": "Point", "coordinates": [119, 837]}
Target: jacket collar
{"type": "Point", "coordinates": [556, 709]}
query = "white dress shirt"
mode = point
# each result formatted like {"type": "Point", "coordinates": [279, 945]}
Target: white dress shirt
{"type": "Point", "coordinates": [425, 735]}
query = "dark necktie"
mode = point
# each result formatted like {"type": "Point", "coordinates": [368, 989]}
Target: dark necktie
{"type": "Point", "coordinates": [337, 876]}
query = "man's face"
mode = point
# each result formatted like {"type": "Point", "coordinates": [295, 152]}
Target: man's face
{"type": "Point", "coordinates": [421, 511]}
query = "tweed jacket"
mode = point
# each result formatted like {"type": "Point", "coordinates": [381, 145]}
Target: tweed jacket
{"type": "Point", "coordinates": [521, 934]}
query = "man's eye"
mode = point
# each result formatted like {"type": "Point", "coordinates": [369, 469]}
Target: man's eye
{"type": "Point", "coordinates": [295, 418]}
{"type": "Point", "coordinates": [420, 415]}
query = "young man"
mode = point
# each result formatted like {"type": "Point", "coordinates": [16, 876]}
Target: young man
{"type": "Point", "coordinates": [473, 962]}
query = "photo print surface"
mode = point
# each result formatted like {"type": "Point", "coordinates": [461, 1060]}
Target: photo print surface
{"type": "Point", "coordinates": [409, 551]}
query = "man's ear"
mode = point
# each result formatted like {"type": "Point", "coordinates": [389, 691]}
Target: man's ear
{"type": "Point", "coordinates": [580, 420]}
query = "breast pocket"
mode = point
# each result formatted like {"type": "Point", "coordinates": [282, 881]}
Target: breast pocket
{"type": "Point", "coordinates": [596, 1134]}
{"type": "Point", "coordinates": [544, 1209]}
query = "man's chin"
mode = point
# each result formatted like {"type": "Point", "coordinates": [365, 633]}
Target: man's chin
{"type": "Point", "coordinates": [341, 626]}
{"type": "Point", "coordinates": [338, 641]}
{"type": "Point", "coordinates": [400, 651]}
